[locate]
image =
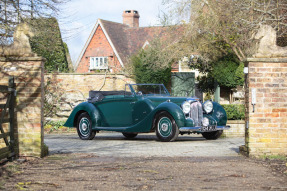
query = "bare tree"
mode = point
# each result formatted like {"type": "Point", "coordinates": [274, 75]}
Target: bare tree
{"type": "Point", "coordinates": [216, 27]}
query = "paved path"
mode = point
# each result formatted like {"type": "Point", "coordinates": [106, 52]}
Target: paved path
{"type": "Point", "coordinates": [114, 144]}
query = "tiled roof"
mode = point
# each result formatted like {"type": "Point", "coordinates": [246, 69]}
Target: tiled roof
{"type": "Point", "coordinates": [117, 35]}
{"type": "Point", "coordinates": [138, 36]}
{"type": "Point", "coordinates": [128, 41]}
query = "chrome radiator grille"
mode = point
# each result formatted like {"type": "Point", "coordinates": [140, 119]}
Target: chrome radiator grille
{"type": "Point", "coordinates": [196, 113]}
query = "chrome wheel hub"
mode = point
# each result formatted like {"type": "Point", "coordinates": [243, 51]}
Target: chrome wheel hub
{"type": "Point", "coordinates": [164, 127]}
{"type": "Point", "coordinates": [84, 126]}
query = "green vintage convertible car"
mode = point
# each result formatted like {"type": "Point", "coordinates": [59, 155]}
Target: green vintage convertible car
{"type": "Point", "coordinates": [143, 108]}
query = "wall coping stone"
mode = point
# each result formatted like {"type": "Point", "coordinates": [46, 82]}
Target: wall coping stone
{"type": "Point", "coordinates": [276, 60]}
{"type": "Point", "coordinates": [103, 74]}
{"type": "Point", "coordinates": [9, 59]}
{"type": "Point", "coordinates": [235, 122]}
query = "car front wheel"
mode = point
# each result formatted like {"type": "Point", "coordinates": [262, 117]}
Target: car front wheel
{"type": "Point", "coordinates": [212, 135]}
{"type": "Point", "coordinates": [166, 128]}
{"type": "Point", "coordinates": [84, 127]}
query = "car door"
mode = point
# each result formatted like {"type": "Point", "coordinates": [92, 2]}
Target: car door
{"type": "Point", "coordinates": [117, 111]}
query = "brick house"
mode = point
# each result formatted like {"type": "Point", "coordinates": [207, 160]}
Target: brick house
{"type": "Point", "coordinates": [111, 44]}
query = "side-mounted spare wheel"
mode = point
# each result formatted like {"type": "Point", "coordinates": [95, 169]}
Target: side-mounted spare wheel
{"type": "Point", "coordinates": [84, 127]}
{"type": "Point", "coordinates": [166, 128]}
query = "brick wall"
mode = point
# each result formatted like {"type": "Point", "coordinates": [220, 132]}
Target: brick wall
{"type": "Point", "coordinates": [266, 127]}
{"type": "Point", "coordinates": [99, 47]}
{"type": "Point", "coordinates": [237, 129]}
{"type": "Point", "coordinates": [28, 72]}
{"type": "Point", "coordinates": [74, 89]}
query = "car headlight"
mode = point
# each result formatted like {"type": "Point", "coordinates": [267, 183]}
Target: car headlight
{"type": "Point", "coordinates": [185, 107]}
{"type": "Point", "coordinates": [208, 106]}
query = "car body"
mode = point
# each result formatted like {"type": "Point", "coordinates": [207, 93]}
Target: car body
{"type": "Point", "coordinates": [143, 108]}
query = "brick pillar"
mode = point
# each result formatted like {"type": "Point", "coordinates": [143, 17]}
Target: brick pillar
{"type": "Point", "coordinates": [29, 77]}
{"type": "Point", "coordinates": [266, 125]}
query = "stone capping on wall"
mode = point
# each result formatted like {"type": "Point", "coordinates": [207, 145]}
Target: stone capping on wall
{"type": "Point", "coordinates": [270, 60]}
{"type": "Point", "coordinates": [9, 59]}
{"type": "Point", "coordinates": [108, 74]}
{"type": "Point", "coordinates": [235, 122]}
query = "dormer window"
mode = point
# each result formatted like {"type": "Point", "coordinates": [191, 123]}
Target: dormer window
{"type": "Point", "coordinates": [98, 63]}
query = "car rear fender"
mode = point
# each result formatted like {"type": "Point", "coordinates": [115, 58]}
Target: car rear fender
{"type": "Point", "coordinates": [81, 108]}
{"type": "Point", "coordinates": [174, 110]}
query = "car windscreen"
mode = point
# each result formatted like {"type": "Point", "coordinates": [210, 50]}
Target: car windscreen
{"type": "Point", "coordinates": [150, 90]}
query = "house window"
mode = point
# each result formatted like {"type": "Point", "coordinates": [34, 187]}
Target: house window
{"type": "Point", "coordinates": [98, 63]}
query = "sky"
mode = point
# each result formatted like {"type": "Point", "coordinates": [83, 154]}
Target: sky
{"type": "Point", "coordinates": [78, 17]}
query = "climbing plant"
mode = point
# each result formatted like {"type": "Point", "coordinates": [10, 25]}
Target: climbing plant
{"type": "Point", "coordinates": [48, 43]}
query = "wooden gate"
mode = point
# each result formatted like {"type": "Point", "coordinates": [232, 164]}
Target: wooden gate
{"type": "Point", "coordinates": [7, 116]}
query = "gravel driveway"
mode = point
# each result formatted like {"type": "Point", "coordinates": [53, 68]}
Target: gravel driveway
{"type": "Point", "coordinates": [114, 144]}
{"type": "Point", "coordinates": [111, 162]}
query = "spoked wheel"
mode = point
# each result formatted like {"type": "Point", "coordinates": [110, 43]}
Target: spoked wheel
{"type": "Point", "coordinates": [212, 135]}
{"type": "Point", "coordinates": [84, 127]}
{"type": "Point", "coordinates": [130, 135]}
{"type": "Point", "coordinates": [166, 128]}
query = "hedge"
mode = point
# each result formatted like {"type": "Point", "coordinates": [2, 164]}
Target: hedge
{"type": "Point", "coordinates": [235, 111]}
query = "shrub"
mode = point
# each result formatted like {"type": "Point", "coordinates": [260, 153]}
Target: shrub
{"type": "Point", "coordinates": [54, 126]}
{"type": "Point", "coordinates": [234, 111]}
{"type": "Point", "coordinates": [228, 73]}
{"type": "Point", "coordinates": [152, 65]}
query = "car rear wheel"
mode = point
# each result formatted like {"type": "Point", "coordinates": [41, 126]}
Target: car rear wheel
{"type": "Point", "coordinates": [130, 135]}
{"type": "Point", "coordinates": [84, 127]}
{"type": "Point", "coordinates": [166, 128]}
{"type": "Point", "coordinates": [212, 135]}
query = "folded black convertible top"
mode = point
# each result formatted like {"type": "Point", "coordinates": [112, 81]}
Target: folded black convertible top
{"type": "Point", "coordinates": [95, 96]}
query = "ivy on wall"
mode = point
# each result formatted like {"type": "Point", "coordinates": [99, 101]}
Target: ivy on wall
{"type": "Point", "coordinates": [48, 43]}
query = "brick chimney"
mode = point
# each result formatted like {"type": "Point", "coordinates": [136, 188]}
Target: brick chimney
{"type": "Point", "coordinates": [131, 18]}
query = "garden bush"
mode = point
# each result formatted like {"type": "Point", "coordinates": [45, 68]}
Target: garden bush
{"type": "Point", "coordinates": [235, 111]}
{"type": "Point", "coordinates": [55, 126]}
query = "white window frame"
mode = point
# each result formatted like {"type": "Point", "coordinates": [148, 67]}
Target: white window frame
{"type": "Point", "coordinates": [98, 63]}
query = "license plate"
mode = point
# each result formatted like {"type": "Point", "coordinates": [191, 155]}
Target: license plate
{"type": "Point", "coordinates": [209, 128]}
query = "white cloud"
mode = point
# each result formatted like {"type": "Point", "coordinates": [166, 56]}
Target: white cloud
{"type": "Point", "coordinates": [78, 17]}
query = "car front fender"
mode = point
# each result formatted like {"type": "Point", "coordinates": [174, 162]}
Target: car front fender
{"type": "Point", "coordinates": [81, 108]}
{"type": "Point", "coordinates": [219, 114]}
{"type": "Point", "coordinates": [174, 110]}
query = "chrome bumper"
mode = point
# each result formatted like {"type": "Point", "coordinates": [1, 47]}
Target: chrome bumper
{"type": "Point", "coordinates": [202, 129]}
